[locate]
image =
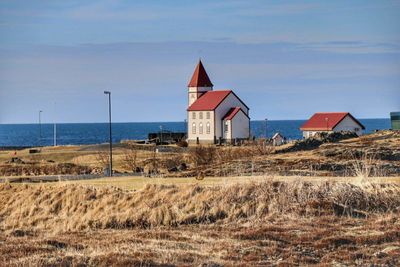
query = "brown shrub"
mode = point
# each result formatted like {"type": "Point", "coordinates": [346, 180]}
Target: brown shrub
{"type": "Point", "coordinates": [182, 143]}
{"type": "Point", "coordinates": [130, 158]}
{"type": "Point", "coordinates": [201, 156]}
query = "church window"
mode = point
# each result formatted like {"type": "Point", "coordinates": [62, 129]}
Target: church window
{"type": "Point", "coordinates": [200, 115]}
{"type": "Point", "coordinates": [193, 128]}
{"type": "Point", "coordinates": [193, 115]}
{"type": "Point", "coordinates": [226, 126]}
{"type": "Point", "coordinates": [208, 127]}
{"type": "Point", "coordinates": [208, 115]}
{"type": "Point", "coordinates": [201, 128]}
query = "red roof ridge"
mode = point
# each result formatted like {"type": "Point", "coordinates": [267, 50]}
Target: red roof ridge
{"type": "Point", "coordinates": [209, 100]}
{"type": "Point", "coordinates": [231, 113]}
{"type": "Point", "coordinates": [332, 112]}
{"type": "Point", "coordinates": [200, 77]}
{"type": "Point", "coordinates": [327, 121]}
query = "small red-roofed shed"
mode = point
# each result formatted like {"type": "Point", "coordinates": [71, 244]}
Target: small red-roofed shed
{"type": "Point", "coordinates": [331, 122]}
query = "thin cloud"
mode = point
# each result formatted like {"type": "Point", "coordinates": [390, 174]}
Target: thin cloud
{"type": "Point", "coordinates": [354, 47]}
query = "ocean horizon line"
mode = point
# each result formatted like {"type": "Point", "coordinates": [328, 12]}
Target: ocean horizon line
{"type": "Point", "coordinates": [181, 121]}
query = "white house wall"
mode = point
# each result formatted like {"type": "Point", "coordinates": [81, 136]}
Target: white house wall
{"type": "Point", "coordinates": [278, 140]}
{"type": "Point", "coordinates": [348, 124]}
{"type": "Point", "coordinates": [240, 126]}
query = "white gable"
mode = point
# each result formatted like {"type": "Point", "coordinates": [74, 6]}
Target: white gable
{"type": "Point", "coordinates": [348, 124]}
{"type": "Point", "coordinates": [229, 102]}
{"type": "Point", "coordinates": [240, 126]}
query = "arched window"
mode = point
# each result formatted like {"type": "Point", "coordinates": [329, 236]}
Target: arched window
{"type": "Point", "coordinates": [193, 128]}
{"type": "Point", "coordinates": [208, 128]}
{"type": "Point", "coordinates": [201, 128]}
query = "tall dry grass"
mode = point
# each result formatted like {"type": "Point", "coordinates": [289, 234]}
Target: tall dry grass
{"type": "Point", "coordinates": [364, 166]}
{"type": "Point", "coordinates": [73, 207]}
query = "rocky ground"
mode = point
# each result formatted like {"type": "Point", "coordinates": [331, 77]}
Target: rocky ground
{"type": "Point", "coordinates": [378, 154]}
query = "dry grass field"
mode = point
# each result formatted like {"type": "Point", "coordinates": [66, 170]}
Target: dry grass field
{"type": "Point", "coordinates": [138, 182]}
{"type": "Point", "coordinates": [335, 204]}
{"type": "Point", "coordinates": [267, 222]}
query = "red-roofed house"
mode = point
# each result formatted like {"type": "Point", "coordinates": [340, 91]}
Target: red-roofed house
{"type": "Point", "coordinates": [214, 115]}
{"type": "Point", "coordinates": [331, 122]}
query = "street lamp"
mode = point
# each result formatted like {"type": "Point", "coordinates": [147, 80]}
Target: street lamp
{"type": "Point", "coordinates": [161, 137]}
{"type": "Point", "coordinates": [109, 116]}
{"type": "Point", "coordinates": [266, 120]}
{"type": "Point", "coordinates": [40, 124]}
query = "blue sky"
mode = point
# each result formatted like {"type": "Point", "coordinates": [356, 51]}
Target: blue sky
{"type": "Point", "coordinates": [285, 59]}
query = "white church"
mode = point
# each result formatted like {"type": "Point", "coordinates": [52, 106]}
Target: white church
{"type": "Point", "coordinates": [214, 116]}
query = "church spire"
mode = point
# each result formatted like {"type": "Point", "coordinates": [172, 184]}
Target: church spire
{"type": "Point", "coordinates": [200, 77]}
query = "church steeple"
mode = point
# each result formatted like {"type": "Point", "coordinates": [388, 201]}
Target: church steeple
{"type": "Point", "coordinates": [199, 84]}
{"type": "Point", "coordinates": [200, 77]}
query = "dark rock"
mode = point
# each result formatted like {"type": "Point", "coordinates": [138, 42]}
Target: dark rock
{"type": "Point", "coordinates": [20, 233]}
{"type": "Point", "coordinates": [138, 170]}
{"type": "Point", "coordinates": [173, 169]}
{"type": "Point", "coordinates": [182, 166]}
{"type": "Point", "coordinates": [56, 244]}
{"type": "Point", "coordinates": [344, 210]}
{"type": "Point", "coordinates": [317, 140]}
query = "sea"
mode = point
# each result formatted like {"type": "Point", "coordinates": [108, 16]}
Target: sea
{"type": "Point", "coordinates": [31, 135]}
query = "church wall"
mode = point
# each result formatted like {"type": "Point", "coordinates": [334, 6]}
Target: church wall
{"type": "Point", "coordinates": [240, 126]}
{"type": "Point", "coordinates": [202, 136]}
{"type": "Point", "coordinates": [229, 102]}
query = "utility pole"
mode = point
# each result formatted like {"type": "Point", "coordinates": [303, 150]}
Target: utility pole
{"type": "Point", "coordinates": [266, 120]}
{"type": "Point", "coordinates": [55, 127]}
{"type": "Point", "coordinates": [55, 134]}
{"type": "Point", "coordinates": [161, 137]}
{"type": "Point", "coordinates": [110, 130]}
{"type": "Point", "coordinates": [40, 124]}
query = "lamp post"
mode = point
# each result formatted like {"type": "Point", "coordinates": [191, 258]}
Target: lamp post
{"type": "Point", "coordinates": [110, 131]}
{"type": "Point", "coordinates": [266, 120]}
{"type": "Point", "coordinates": [55, 134]}
{"type": "Point", "coordinates": [161, 137]}
{"type": "Point", "coordinates": [40, 124]}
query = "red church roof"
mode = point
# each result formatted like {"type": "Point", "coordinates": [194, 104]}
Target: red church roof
{"type": "Point", "coordinates": [231, 113]}
{"type": "Point", "coordinates": [326, 121]}
{"type": "Point", "coordinates": [200, 77]}
{"type": "Point", "coordinates": [210, 100]}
